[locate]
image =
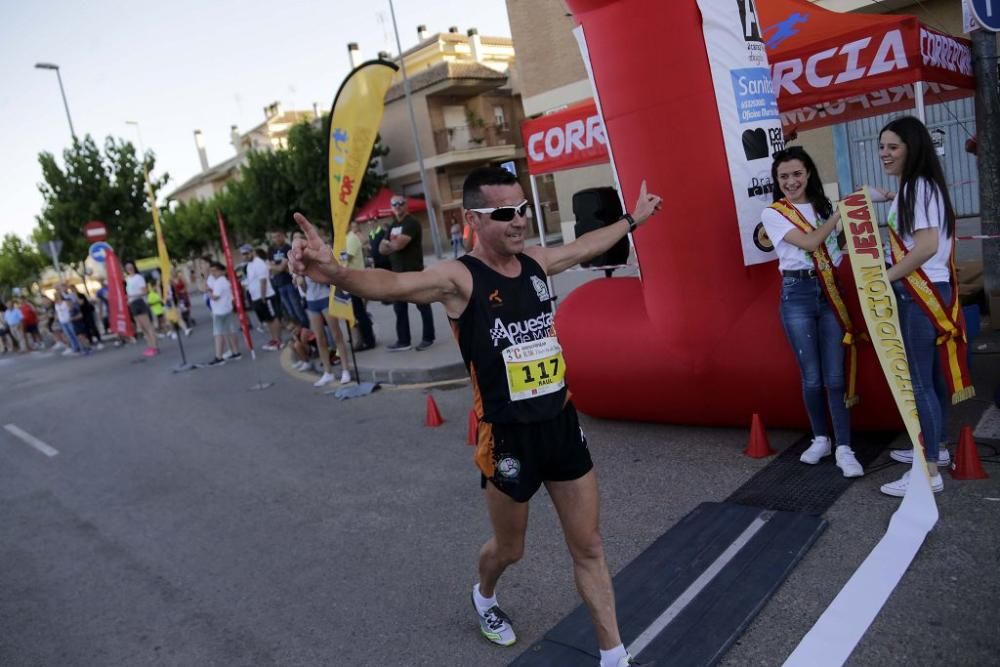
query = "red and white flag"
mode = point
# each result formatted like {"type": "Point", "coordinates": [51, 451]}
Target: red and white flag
{"type": "Point", "coordinates": [237, 287]}
{"type": "Point", "coordinates": [118, 316]}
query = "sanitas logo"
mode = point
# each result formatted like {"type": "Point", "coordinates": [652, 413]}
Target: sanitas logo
{"type": "Point", "coordinates": [523, 331]}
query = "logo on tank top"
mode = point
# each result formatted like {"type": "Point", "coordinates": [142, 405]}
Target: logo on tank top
{"type": "Point", "coordinates": [495, 299]}
{"type": "Point", "coordinates": [541, 289]}
{"type": "Point", "coordinates": [522, 331]}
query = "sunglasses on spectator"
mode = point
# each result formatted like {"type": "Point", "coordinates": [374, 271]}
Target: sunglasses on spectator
{"type": "Point", "coordinates": [504, 213]}
{"type": "Point", "coordinates": [397, 202]}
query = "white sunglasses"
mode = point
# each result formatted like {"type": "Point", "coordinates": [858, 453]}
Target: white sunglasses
{"type": "Point", "coordinates": [504, 213]}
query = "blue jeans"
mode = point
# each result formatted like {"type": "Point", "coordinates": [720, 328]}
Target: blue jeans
{"type": "Point", "coordinates": [292, 303]}
{"type": "Point", "coordinates": [816, 338]}
{"type": "Point", "coordinates": [926, 375]}
{"type": "Point", "coordinates": [70, 331]}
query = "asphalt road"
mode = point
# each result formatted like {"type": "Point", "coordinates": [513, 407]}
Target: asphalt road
{"type": "Point", "coordinates": [188, 521]}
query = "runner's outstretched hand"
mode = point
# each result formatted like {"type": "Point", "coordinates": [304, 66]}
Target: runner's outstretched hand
{"type": "Point", "coordinates": [646, 205]}
{"type": "Point", "coordinates": [312, 256]}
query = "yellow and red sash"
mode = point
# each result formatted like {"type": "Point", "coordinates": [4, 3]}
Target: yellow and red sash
{"type": "Point", "coordinates": [948, 321]}
{"type": "Point", "coordinates": [824, 269]}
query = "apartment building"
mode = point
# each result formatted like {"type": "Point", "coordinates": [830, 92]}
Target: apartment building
{"type": "Point", "coordinates": [270, 134]}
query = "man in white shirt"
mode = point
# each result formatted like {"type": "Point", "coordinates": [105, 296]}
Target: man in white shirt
{"type": "Point", "coordinates": [262, 295]}
{"type": "Point", "coordinates": [220, 294]}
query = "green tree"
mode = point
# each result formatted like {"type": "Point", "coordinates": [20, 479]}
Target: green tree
{"type": "Point", "coordinates": [190, 228]}
{"type": "Point", "coordinates": [100, 185]}
{"type": "Point", "coordinates": [20, 263]}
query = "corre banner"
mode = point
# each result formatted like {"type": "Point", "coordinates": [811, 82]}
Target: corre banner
{"type": "Point", "coordinates": [354, 121]}
{"type": "Point", "coordinates": [118, 317]}
{"type": "Point", "coordinates": [748, 113]}
{"type": "Point", "coordinates": [570, 138]}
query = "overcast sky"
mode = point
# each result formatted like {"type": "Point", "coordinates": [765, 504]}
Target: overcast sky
{"type": "Point", "coordinates": [179, 65]}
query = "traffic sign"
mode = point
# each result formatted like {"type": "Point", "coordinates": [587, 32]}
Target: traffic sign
{"type": "Point", "coordinates": [987, 13]}
{"type": "Point", "coordinates": [95, 230]}
{"type": "Point", "coordinates": [99, 251]}
{"type": "Point", "coordinates": [51, 248]}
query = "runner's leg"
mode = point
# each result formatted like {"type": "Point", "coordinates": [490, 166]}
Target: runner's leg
{"type": "Point", "coordinates": [510, 521]}
{"type": "Point", "coordinates": [578, 504]}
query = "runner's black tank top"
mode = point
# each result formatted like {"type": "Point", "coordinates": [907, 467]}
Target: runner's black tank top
{"type": "Point", "coordinates": [526, 384]}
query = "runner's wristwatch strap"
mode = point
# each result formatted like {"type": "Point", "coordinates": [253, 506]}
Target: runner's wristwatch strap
{"type": "Point", "coordinates": [632, 224]}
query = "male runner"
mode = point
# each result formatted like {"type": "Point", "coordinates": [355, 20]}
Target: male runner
{"type": "Point", "coordinates": [498, 302]}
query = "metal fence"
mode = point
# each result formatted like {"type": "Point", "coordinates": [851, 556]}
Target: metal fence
{"type": "Point", "coordinates": [956, 119]}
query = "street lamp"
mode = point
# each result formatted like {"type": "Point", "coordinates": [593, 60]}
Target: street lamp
{"type": "Point", "coordinates": [62, 91]}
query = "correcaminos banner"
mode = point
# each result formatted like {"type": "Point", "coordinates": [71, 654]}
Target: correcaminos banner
{"type": "Point", "coordinates": [569, 138]}
{"type": "Point", "coordinates": [748, 113]}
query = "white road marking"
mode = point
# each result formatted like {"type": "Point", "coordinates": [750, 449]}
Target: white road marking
{"type": "Point", "coordinates": [692, 591]}
{"type": "Point", "coordinates": [30, 439]}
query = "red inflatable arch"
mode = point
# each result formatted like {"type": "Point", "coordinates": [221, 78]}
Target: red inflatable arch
{"type": "Point", "coordinates": [697, 340]}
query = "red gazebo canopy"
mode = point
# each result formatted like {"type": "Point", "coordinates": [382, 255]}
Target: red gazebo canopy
{"type": "Point", "coordinates": [830, 67]}
{"type": "Point", "coordinates": [379, 207]}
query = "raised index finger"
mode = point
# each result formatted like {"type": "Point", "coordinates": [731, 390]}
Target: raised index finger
{"type": "Point", "coordinates": [642, 190]}
{"type": "Point", "coordinates": [307, 227]}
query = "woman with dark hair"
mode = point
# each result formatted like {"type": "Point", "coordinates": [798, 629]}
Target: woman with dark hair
{"type": "Point", "coordinates": [801, 224]}
{"type": "Point", "coordinates": [920, 257]}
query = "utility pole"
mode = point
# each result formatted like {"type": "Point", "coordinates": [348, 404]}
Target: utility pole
{"type": "Point", "coordinates": [985, 65]}
{"type": "Point", "coordinates": [432, 217]}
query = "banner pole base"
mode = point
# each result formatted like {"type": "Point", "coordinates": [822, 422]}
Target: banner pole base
{"type": "Point", "coordinates": [181, 368]}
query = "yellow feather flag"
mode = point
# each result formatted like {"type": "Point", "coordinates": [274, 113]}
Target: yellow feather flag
{"type": "Point", "coordinates": [170, 308]}
{"type": "Point", "coordinates": [354, 121]}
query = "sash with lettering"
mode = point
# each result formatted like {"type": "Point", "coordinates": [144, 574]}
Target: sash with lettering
{"type": "Point", "coordinates": [824, 269]}
{"type": "Point", "coordinates": [948, 321]}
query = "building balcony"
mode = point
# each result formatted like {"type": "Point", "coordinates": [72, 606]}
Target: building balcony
{"type": "Point", "coordinates": [467, 137]}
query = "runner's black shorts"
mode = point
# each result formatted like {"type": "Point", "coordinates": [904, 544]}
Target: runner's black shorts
{"type": "Point", "coordinates": [517, 458]}
{"type": "Point", "coordinates": [266, 309]}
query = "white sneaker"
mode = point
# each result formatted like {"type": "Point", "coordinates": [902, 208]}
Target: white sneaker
{"type": "Point", "coordinates": [847, 463]}
{"type": "Point", "coordinates": [495, 625]}
{"type": "Point", "coordinates": [227, 355]}
{"type": "Point", "coordinates": [58, 346]}
{"type": "Point", "coordinates": [324, 380]}
{"type": "Point", "coordinates": [345, 377]}
{"type": "Point", "coordinates": [906, 456]}
{"type": "Point", "coordinates": [301, 366]}
{"type": "Point", "coordinates": [100, 346]}
{"type": "Point", "coordinates": [68, 352]}
{"type": "Point", "coordinates": [898, 488]}
{"type": "Point", "coordinates": [819, 448]}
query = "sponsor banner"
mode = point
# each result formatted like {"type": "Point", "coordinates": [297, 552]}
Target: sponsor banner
{"type": "Point", "coordinates": [234, 283]}
{"type": "Point", "coordinates": [748, 113]}
{"type": "Point", "coordinates": [118, 315]}
{"type": "Point", "coordinates": [866, 104]}
{"type": "Point", "coordinates": [818, 56]}
{"type": "Point", "coordinates": [570, 138]}
{"type": "Point", "coordinates": [354, 121]}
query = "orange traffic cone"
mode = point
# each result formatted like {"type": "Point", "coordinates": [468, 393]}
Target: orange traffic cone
{"type": "Point", "coordinates": [758, 447]}
{"type": "Point", "coordinates": [967, 464]}
{"type": "Point", "coordinates": [433, 415]}
{"type": "Point", "coordinates": [473, 428]}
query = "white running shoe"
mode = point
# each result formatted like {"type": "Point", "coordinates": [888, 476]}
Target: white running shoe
{"type": "Point", "coordinates": [324, 380]}
{"type": "Point", "coordinates": [847, 463]}
{"type": "Point", "coordinates": [301, 366]}
{"type": "Point", "coordinates": [227, 355]}
{"type": "Point", "coordinates": [898, 488]}
{"type": "Point", "coordinates": [100, 346]}
{"type": "Point", "coordinates": [495, 625]}
{"type": "Point", "coordinates": [345, 377]}
{"type": "Point", "coordinates": [819, 448]}
{"type": "Point", "coordinates": [906, 456]}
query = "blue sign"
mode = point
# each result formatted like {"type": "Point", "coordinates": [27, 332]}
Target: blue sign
{"type": "Point", "coordinates": [987, 13]}
{"type": "Point", "coordinates": [98, 251]}
{"type": "Point", "coordinates": [754, 92]}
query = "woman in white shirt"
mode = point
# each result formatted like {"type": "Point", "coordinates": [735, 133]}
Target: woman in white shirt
{"type": "Point", "coordinates": [800, 223]}
{"type": "Point", "coordinates": [135, 289]}
{"type": "Point", "coordinates": [922, 229]}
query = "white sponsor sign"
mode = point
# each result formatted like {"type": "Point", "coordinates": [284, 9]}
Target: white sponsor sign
{"type": "Point", "coordinates": [748, 112]}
